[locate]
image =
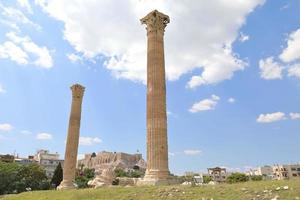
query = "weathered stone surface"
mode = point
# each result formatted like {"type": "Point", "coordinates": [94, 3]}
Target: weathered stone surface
{"type": "Point", "coordinates": [157, 143]}
{"type": "Point", "coordinates": [125, 181]}
{"type": "Point", "coordinates": [72, 139]}
{"type": "Point", "coordinates": [104, 179]}
{"type": "Point", "coordinates": [117, 160]}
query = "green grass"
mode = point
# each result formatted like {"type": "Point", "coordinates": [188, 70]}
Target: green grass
{"type": "Point", "coordinates": [248, 190]}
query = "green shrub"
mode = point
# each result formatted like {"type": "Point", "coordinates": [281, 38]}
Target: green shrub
{"type": "Point", "coordinates": [206, 179]}
{"type": "Point", "coordinates": [256, 178]}
{"type": "Point", "coordinates": [130, 174]}
{"type": "Point", "coordinates": [237, 177]}
{"type": "Point", "coordinates": [17, 178]}
{"type": "Point", "coordinates": [83, 177]}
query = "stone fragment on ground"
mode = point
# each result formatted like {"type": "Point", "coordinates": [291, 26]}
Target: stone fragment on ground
{"type": "Point", "coordinates": [275, 198]}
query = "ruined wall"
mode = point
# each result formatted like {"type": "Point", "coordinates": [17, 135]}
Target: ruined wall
{"type": "Point", "coordinates": [104, 160]}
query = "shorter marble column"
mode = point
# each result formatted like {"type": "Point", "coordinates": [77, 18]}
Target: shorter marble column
{"type": "Point", "coordinates": [73, 139]}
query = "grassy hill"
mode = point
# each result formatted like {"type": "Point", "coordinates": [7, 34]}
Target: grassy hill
{"type": "Point", "coordinates": [289, 190]}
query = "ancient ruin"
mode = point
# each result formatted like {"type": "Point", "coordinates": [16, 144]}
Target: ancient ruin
{"type": "Point", "coordinates": [72, 139]}
{"type": "Point", "coordinates": [157, 143]}
{"type": "Point", "coordinates": [117, 160]}
{"type": "Point", "coordinates": [103, 178]}
{"type": "Point", "coordinates": [105, 163]}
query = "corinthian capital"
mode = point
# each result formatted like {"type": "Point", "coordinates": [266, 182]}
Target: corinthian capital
{"type": "Point", "coordinates": [77, 91]}
{"type": "Point", "coordinates": [156, 22]}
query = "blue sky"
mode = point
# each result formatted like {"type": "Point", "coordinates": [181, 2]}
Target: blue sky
{"type": "Point", "coordinates": [233, 70]}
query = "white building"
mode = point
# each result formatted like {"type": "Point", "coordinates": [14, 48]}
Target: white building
{"type": "Point", "coordinates": [218, 174]}
{"type": "Point", "coordinates": [25, 161]}
{"type": "Point", "coordinates": [265, 171]}
{"type": "Point", "coordinates": [277, 172]}
{"type": "Point", "coordinates": [286, 171]}
{"type": "Point", "coordinates": [48, 161]}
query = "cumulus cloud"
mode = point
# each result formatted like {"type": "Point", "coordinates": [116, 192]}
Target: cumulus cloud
{"type": "Point", "coordinates": [292, 51]}
{"type": "Point", "coordinates": [92, 29]}
{"type": "Point", "coordinates": [192, 152]}
{"type": "Point", "coordinates": [295, 116]}
{"type": "Point", "coordinates": [231, 100]}
{"type": "Point", "coordinates": [88, 141]}
{"type": "Point", "coordinates": [271, 117]}
{"type": "Point", "coordinates": [269, 69]}
{"type": "Point", "coordinates": [294, 70]}
{"type": "Point", "coordinates": [15, 16]}
{"type": "Point", "coordinates": [6, 127]}
{"type": "Point", "coordinates": [44, 136]}
{"type": "Point", "coordinates": [23, 50]}
{"type": "Point", "coordinates": [206, 104]}
{"type": "Point", "coordinates": [25, 4]}
{"type": "Point", "coordinates": [9, 50]}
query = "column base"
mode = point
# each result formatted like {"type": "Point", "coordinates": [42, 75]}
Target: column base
{"type": "Point", "coordinates": [66, 185]}
{"type": "Point", "coordinates": [157, 177]}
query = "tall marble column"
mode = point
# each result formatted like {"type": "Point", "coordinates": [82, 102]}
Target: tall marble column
{"type": "Point", "coordinates": [157, 143]}
{"type": "Point", "coordinates": [72, 139]}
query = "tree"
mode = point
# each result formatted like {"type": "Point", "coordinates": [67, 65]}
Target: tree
{"type": "Point", "coordinates": [31, 176]}
{"type": "Point", "coordinates": [256, 178]}
{"type": "Point", "coordinates": [8, 174]}
{"type": "Point", "coordinates": [83, 177]}
{"type": "Point", "coordinates": [93, 155]}
{"type": "Point", "coordinates": [207, 179]}
{"type": "Point", "coordinates": [57, 176]}
{"type": "Point", "coordinates": [18, 178]}
{"type": "Point", "coordinates": [237, 177]}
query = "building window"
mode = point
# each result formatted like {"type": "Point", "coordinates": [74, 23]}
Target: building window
{"type": "Point", "coordinates": [294, 174]}
{"type": "Point", "coordinates": [293, 169]}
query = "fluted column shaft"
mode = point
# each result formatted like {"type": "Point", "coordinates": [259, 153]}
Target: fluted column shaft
{"type": "Point", "coordinates": [157, 142]}
{"type": "Point", "coordinates": [72, 138]}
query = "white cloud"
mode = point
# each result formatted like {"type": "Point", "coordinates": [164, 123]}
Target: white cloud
{"type": "Point", "coordinates": [294, 70]}
{"type": "Point", "coordinates": [271, 117]}
{"type": "Point", "coordinates": [25, 4]}
{"type": "Point", "coordinates": [44, 136]}
{"type": "Point", "coordinates": [2, 90]}
{"type": "Point", "coordinates": [9, 50]}
{"type": "Point", "coordinates": [244, 38]}
{"type": "Point", "coordinates": [16, 16]}
{"type": "Point", "coordinates": [206, 104]}
{"type": "Point", "coordinates": [6, 127]}
{"type": "Point", "coordinates": [192, 152]}
{"type": "Point", "coordinates": [88, 141]}
{"type": "Point", "coordinates": [10, 24]}
{"type": "Point", "coordinates": [23, 50]}
{"type": "Point", "coordinates": [74, 58]}
{"type": "Point", "coordinates": [189, 43]}
{"type": "Point", "coordinates": [295, 116]}
{"type": "Point", "coordinates": [231, 100]}
{"type": "Point", "coordinates": [292, 51]}
{"type": "Point", "coordinates": [269, 69]}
